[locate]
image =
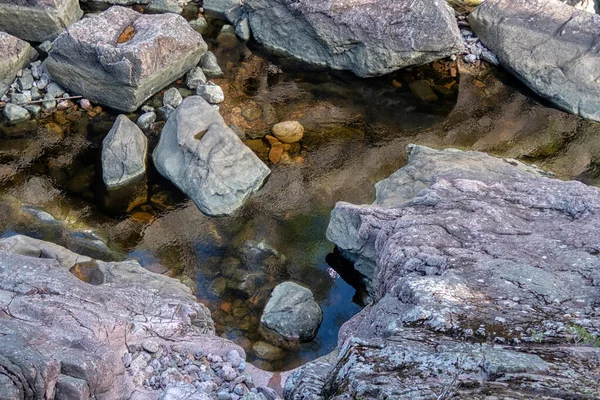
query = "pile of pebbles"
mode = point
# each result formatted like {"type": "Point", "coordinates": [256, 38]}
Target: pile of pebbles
{"type": "Point", "coordinates": [474, 49]}
{"type": "Point", "coordinates": [179, 374]}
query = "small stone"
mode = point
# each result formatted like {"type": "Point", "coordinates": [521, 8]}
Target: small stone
{"type": "Point", "coordinates": [43, 82]}
{"type": "Point", "coordinates": [195, 78]}
{"type": "Point", "coordinates": [242, 30]}
{"type": "Point", "coordinates": [15, 113]}
{"type": "Point", "coordinates": [423, 91]}
{"type": "Point", "coordinates": [172, 98]}
{"type": "Point", "coordinates": [164, 112]}
{"type": "Point", "coordinates": [36, 69]}
{"type": "Point", "coordinates": [211, 93]}
{"type": "Point", "coordinates": [209, 64]}
{"type": "Point", "coordinates": [470, 58]}
{"type": "Point", "coordinates": [34, 109]}
{"type": "Point", "coordinates": [288, 131]}
{"type": "Point", "coordinates": [147, 109]}
{"type": "Point", "coordinates": [489, 57]}
{"type": "Point", "coordinates": [145, 120]}
{"type": "Point", "coordinates": [150, 346]}
{"type": "Point", "coordinates": [55, 90]}
{"type": "Point", "coordinates": [46, 46]}
{"type": "Point", "coordinates": [199, 24]}
{"type": "Point", "coordinates": [275, 154]}
{"type": "Point", "coordinates": [86, 104]}
{"type": "Point", "coordinates": [234, 358]}
{"type": "Point", "coordinates": [266, 351]}
{"type": "Point", "coordinates": [127, 360]}
{"type": "Point", "coordinates": [26, 80]}
{"type": "Point", "coordinates": [19, 98]}
{"type": "Point", "coordinates": [36, 93]}
{"type": "Point", "coordinates": [50, 104]}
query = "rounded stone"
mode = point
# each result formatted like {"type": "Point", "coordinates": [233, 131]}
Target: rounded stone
{"type": "Point", "coordinates": [266, 351]}
{"type": "Point", "coordinates": [288, 131]}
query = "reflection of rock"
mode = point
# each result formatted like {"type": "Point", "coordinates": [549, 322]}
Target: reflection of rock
{"type": "Point", "coordinates": [367, 37]}
{"type": "Point", "coordinates": [97, 59]}
{"type": "Point", "coordinates": [549, 46]}
{"type": "Point", "coordinates": [291, 315]}
{"type": "Point", "coordinates": [470, 249]}
{"type": "Point", "coordinates": [14, 55]}
{"type": "Point", "coordinates": [206, 159]}
{"type": "Point", "coordinates": [38, 20]}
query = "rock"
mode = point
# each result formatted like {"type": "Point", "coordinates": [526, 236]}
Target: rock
{"type": "Point", "coordinates": [291, 315]}
{"type": "Point", "coordinates": [165, 6]}
{"type": "Point", "coordinates": [423, 91]}
{"type": "Point", "coordinates": [195, 78]}
{"type": "Point", "coordinates": [219, 8]}
{"type": "Point", "coordinates": [206, 160]}
{"type": "Point", "coordinates": [25, 82]}
{"type": "Point", "coordinates": [211, 93]}
{"type": "Point", "coordinates": [234, 358]}
{"type": "Point", "coordinates": [164, 112]}
{"type": "Point", "coordinates": [591, 6]}
{"type": "Point", "coordinates": [99, 59]}
{"type": "Point", "coordinates": [55, 90]}
{"type": "Point", "coordinates": [15, 113]}
{"type": "Point", "coordinates": [81, 330]}
{"type": "Point", "coordinates": [227, 373]}
{"type": "Point", "coordinates": [242, 30]}
{"type": "Point", "coordinates": [540, 42]}
{"type": "Point", "coordinates": [209, 64]}
{"type": "Point", "coordinates": [38, 20]}
{"type": "Point", "coordinates": [469, 256]}
{"type": "Point", "coordinates": [146, 119]}
{"type": "Point", "coordinates": [15, 54]}
{"type": "Point", "coordinates": [19, 98]}
{"type": "Point", "coordinates": [50, 104]}
{"type": "Point", "coordinates": [266, 351]}
{"type": "Point", "coordinates": [369, 38]}
{"type": "Point", "coordinates": [288, 131]}
{"type": "Point", "coordinates": [172, 98]}
{"type": "Point", "coordinates": [45, 47]}
{"type": "Point", "coordinates": [34, 109]}
{"type": "Point", "coordinates": [124, 152]}
{"type": "Point", "coordinates": [253, 396]}
{"type": "Point", "coordinates": [150, 346]}
{"type": "Point", "coordinates": [199, 24]}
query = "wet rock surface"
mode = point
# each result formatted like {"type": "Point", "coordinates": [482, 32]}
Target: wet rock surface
{"type": "Point", "coordinates": [38, 20]}
{"type": "Point", "coordinates": [549, 46]}
{"type": "Point", "coordinates": [206, 160]}
{"type": "Point", "coordinates": [120, 58]}
{"type": "Point", "coordinates": [491, 252]}
{"type": "Point", "coordinates": [365, 37]}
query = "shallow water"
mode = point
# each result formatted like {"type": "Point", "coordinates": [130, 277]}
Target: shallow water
{"type": "Point", "coordinates": [356, 131]}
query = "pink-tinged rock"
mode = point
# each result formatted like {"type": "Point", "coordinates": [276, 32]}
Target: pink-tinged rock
{"type": "Point", "coordinates": [121, 57]}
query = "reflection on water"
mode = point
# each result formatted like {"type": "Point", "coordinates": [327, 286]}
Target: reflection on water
{"type": "Point", "coordinates": [355, 134]}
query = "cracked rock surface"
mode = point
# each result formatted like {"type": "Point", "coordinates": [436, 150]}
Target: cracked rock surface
{"type": "Point", "coordinates": [64, 337]}
{"type": "Point", "coordinates": [367, 37]}
{"type": "Point", "coordinates": [484, 276]}
{"type": "Point", "coordinates": [206, 160]}
{"type": "Point", "coordinates": [120, 58]}
{"type": "Point", "coordinates": [550, 46]}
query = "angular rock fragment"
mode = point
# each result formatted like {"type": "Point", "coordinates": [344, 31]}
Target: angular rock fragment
{"type": "Point", "coordinates": [15, 54]}
{"type": "Point", "coordinates": [120, 58]}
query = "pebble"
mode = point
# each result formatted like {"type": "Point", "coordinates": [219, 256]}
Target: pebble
{"type": "Point", "coordinates": [288, 131]}
{"type": "Point", "coordinates": [199, 24]}
{"type": "Point", "coordinates": [172, 98]}
{"type": "Point", "coordinates": [150, 346]}
{"type": "Point", "coordinates": [146, 119]}
{"type": "Point", "coordinates": [242, 30]}
{"type": "Point", "coordinates": [195, 78]}
{"type": "Point", "coordinates": [46, 46]}
{"type": "Point", "coordinates": [15, 113]}
{"type": "Point", "coordinates": [470, 58]}
{"type": "Point", "coordinates": [55, 90]}
{"type": "Point", "coordinates": [209, 64]}
{"type": "Point", "coordinates": [211, 93]}
{"type": "Point", "coordinates": [234, 358]}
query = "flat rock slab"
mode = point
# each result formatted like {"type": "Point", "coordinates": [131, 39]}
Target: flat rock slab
{"type": "Point", "coordinates": [15, 54]}
{"type": "Point", "coordinates": [367, 37]}
{"type": "Point", "coordinates": [38, 20]}
{"type": "Point", "coordinates": [468, 249]}
{"type": "Point", "coordinates": [550, 46]}
{"type": "Point", "coordinates": [206, 160]}
{"type": "Point", "coordinates": [124, 152]}
{"type": "Point", "coordinates": [120, 58]}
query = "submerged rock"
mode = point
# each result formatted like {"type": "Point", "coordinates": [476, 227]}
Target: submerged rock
{"type": "Point", "coordinates": [291, 315]}
{"type": "Point", "coordinates": [288, 131]}
{"type": "Point", "coordinates": [369, 38]}
{"type": "Point", "coordinates": [548, 45]}
{"type": "Point", "coordinates": [464, 248]}
{"type": "Point", "coordinates": [38, 20]}
{"type": "Point", "coordinates": [204, 158]}
{"type": "Point", "coordinates": [15, 54]}
{"type": "Point", "coordinates": [120, 58]}
{"type": "Point", "coordinates": [124, 152]}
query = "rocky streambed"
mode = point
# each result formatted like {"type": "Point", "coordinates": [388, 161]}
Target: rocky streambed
{"type": "Point", "coordinates": [475, 275]}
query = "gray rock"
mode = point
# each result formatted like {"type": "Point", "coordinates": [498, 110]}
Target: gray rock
{"type": "Point", "coordinates": [227, 373]}
{"type": "Point", "coordinates": [45, 46]}
{"type": "Point", "coordinates": [253, 396]}
{"type": "Point", "coordinates": [199, 24]}
{"type": "Point", "coordinates": [88, 60]}
{"type": "Point", "coordinates": [369, 38]}
{"type": "Point", "coordinates": [165, 6]}
{"type": "Point", "coordinates": [146, 119]}
{"type": "Point", "coordinates": [234, 358]}
{"type": "Point", "coordinates": [291, 315]}
{"type": "Point", "coordinates": [219, 8]}
{"type": "Point", "coordinates": [150, 346]}
{"type": "Point", "coordinates": [19, 98]}
{"type": "Point", "coordinates": [25, 82]}
{"type": "Point", "coordinates": [591, 6]}
{"type": "Point", "coordinates": [206, 160]}
{"type": "Point", "coordinates": [15, 54]}
{"type": "Point", "coordinates": [34, 109]}
{"type": "Point", "coordinates": [36, 93]}
{"type": "Point", "coordinates": [195, 78]}
{"type": "Point", "coordinates": [172, 98]}
{"type": "Point", "coordinates": [50, 104]}
{"type": "Point", "coordinates": [211, 93]}
{"type": "Point", "coordinates": [15, 113]}
{"type": "Point", "coordinates": [242, 30]}
{"type": "Point", "coordinates": [124, 152]}
{"type": "Point", "coordinates": [465, 249]}
{"type": "Point", "coordinates": [164, 112]}
{"type": "Point", "coordinates": [43, 82]}
{"type": "Point", "coordinates": [209, 64]}
{"type": "Point", "coordinates": [55, 90]}
{"type": "Point", "coordinates": [549, 46]}
{"type": "Point", "coordinates": [38, 20]}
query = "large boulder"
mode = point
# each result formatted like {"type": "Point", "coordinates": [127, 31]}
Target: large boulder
{"type": "Point", "coordinates": [73, 327]}
{"type": "Point", "coordinates": [291, 315]}
{"type": "Point", "coordinates": [124, 152]}
{"type": "Point", "coordinates": [549, 45]}
{"type": "Point", "coordinates": [367, 37]}
{"type": "Point", "coordinates": [471, 257]}
{"type": "Point", "coordinates": [204, 158]}
{"type": "Point", "coordinates": [15, 54]}
{"type": "Point", "coordinates": [120, 58]}
{"type": "Point", "coordinates": [38, 20]}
